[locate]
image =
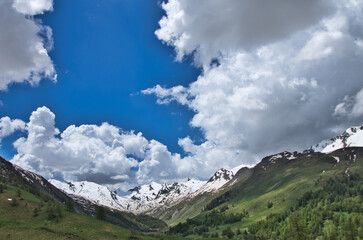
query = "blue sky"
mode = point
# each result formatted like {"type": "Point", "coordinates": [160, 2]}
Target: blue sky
{"type": "Point", "coordinates": [105, 53]}
{"type": "Point", "coordinates": [166, 90]}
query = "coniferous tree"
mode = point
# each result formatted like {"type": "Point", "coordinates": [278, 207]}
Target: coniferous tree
{"type": "Point", "coordinates": [350, 232]}
{"type": "Point", "coordinates": [100, 215]}
{"type": "Point", "coordinates": [69, 206]}
{"type": "Point", "coordinates": [298, 228]}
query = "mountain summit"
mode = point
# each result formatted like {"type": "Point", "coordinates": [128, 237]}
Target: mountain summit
{"type": "Point", "coordinates": [352, 137]}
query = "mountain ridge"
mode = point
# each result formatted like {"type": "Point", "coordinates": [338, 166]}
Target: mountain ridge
{"type": "Point", "coordinates": [155, 197]}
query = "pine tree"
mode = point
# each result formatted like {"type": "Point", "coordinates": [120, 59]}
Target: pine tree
{"type": "Point", "coordinates": [350, 232]}
{"type": "Point", "coordinates": [298, 229]}
{"type": "Point", "coordinates": [69, 206]}
{"type": "Point", "coordinates": [100, 215]}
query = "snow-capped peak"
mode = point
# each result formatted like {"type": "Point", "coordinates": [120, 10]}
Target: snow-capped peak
{"type": "Point", "coordinates": [352, 137]}
{"type": "Point", "coordinates": [140, 199]}
{"type": "Point", "coordinates": [91, 191]}
{"type": "Point", "coordinates": [221, 175]}
{"type": "Point", "coordinates": [145, 198]}
{"type": "Point", "coordinates": [218, 180]}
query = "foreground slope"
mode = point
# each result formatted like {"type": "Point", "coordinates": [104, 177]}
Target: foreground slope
{"type": "Point", "coordinates": [37, 185]}
{"type": "Point", "coordinates": [20, 220]}
{"type": "Point", "coordinates": [274, 186]}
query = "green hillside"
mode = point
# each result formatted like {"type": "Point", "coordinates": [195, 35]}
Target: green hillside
{"type": "Point", "coordinates": [277, 188]}
{"type": "Point", "coordinates": [312, 196]}
{"type": "Point", "coordinates": [26, 216]}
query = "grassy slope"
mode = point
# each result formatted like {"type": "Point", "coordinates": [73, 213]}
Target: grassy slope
{"type": "Point", "coordinates": [192, 207]}
{"type": "Point", "coordinates": [282, 183]}
{"type": "Point", "coordinates": [18, 222]}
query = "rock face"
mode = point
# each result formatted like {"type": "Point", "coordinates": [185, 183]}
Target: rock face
{"type": "Point", "coordinates": [352, 137]}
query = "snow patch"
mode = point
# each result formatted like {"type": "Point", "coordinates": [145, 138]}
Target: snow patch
{"type": "Point", "coordinates": [336, 158]}
{"type": "Point", "coordinates": [352, 137]}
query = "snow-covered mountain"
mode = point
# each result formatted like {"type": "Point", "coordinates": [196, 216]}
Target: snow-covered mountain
{"type": "Point", "coordinates": [220, 178]}
{"type": "Point", "coordinates": [352, 137]}
{"type": "Point", "coordinates": [94, 192]}
{"type": "Point", "coordinates": [155, 196]}
{"type": "Point", "coordinates": [145, 198]}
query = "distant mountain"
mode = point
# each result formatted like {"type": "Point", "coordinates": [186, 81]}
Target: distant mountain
{"type": "Point", "coordinates": [157, 199]}
{"type": "Point", "coordinates": [145, 198]}
{"type": "Point", "coordinates": [352, 137]}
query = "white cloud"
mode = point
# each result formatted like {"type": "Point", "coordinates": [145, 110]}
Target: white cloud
{"type": "Point", "coordinates": [33, 7]}
{"type": "Point", "coordinates": [8, 126]}
{"type": "Point", "coordinates": [103, 154]}
{"type": "Point", "coordinates": [211, 26]}
{"type": "Point", "coordinates": [24, 53]}
{"type": "Point", "coordinates": [357, 110]}
{"type": "Point", "coordinates": [351, 106]}
{"type": "Point", "coordinates": [279, 78]}
{"type": "Point", "coordinates": [165, 96]}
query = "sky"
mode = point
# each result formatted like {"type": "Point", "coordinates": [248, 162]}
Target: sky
{"type": "Point", "coordinates": [128, 92]}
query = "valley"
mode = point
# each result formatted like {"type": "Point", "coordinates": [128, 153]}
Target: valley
{"type": "Point", "coordinates": [252, 203]}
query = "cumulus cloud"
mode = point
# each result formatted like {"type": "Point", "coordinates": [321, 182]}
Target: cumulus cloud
{"type": "Point", "coordinates": [285, 78]}
{"type": "Point", "coordinates": [24, 53]}
{"type": "Point", "coordinates": [211, 26]}
{"type": "Point", "coordinates": [33, 7]}
{"type": "Point", "coordinates": [8, 126]}
{"type": "Point", "coordinates": [104, 154]}
{"type": "Point", "coordinates": [165, 96]}
{"type": "Point", "coordinates": [351, 106]}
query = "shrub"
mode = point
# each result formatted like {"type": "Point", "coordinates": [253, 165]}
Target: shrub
{"type": "Point", "coordinates": [54, 211]}
{"type": "Point", "coordinates": [18, 193]}
{"type": "Point", "coordinates": [35, 212]}
{"type": "Point", "coordinates": [14, 202]}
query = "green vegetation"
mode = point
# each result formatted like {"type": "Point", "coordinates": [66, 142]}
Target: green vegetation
{"type": "Point", "coordinates": [100, 215]}
{"type": "Point", "coordinates": [34, 218]}
{"type": "Point", "coordinates": [54, 211]}
{"type": "Point", "coordinates": [212, 219]}
{"type": "Point", "coordinates": [332, 212]}
{"type": "Point", "coordinates": [311, 197]}
{"type": "Point", "coordinates": [27, 183]}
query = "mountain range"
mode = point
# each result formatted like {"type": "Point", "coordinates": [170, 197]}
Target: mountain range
{"type": "Point", "coordinates": [152, 197]}
{"type": "Point", "coordinates": [276, 184]}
